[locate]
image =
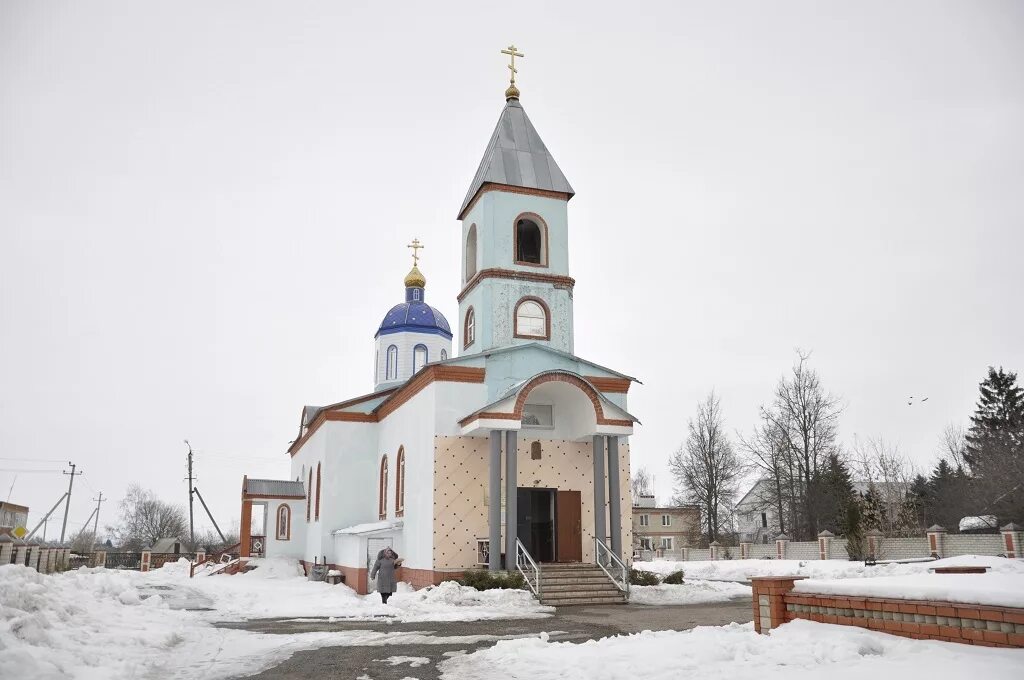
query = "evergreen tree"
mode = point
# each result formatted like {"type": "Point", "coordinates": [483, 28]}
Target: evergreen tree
{"type": "Point", "coordinates": [948, 498]}
{"type": "Point", "coordinates": [995, 446]}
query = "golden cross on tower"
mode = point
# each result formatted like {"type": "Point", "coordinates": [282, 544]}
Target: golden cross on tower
{"type": "Point", "coordinates": [512, 91]}
{"type": "Point", "coordinates": [415, 245]}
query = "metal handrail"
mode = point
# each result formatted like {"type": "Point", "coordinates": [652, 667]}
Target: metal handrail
{"type": "Point", "coordinates": [599, 548]}
{"type": "Point", "coordinates": [522, 552]}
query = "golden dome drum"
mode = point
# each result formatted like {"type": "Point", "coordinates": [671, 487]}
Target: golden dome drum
{"type": "Point", "coordinates": [415, 278]}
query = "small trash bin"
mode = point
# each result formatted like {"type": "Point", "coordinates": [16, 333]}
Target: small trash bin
{"type": "Point", "coordinates": [334, 577]}
{"type": "Point", "coordinates": [318, 572]}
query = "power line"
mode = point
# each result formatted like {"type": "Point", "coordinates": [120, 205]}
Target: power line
{"type": "Point", "coordinates": [35, 460]}
{"type": "Point", "coordinates": [26, 470]}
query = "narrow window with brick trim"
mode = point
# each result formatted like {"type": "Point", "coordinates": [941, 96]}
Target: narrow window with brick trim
{"type": "Point", "coordinates": [284, 522]}
{"type": "Point", "coordinates": [382, 504]}
{"type": "Point", "coordinates": [317, 515]}
{"type": "Point", "coordinates": [400, 483]}
{"type": "Point", "coordinates": [309, 494]}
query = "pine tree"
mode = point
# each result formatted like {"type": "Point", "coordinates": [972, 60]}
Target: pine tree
{"type": "Point", "coordinates": [995, 446]}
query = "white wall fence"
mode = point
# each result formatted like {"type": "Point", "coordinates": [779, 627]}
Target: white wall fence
{"type": "Point", "coordinates": [935, 543]}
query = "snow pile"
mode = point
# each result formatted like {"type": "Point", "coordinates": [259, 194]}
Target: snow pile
{"type": "Point", "coordinates": [451, 602]}
{"type": "Point", "coordinates": [744, 570]}
{"type": "Point", "coordinates": [800, 650]}
{"type": "Point", "coordinates": [999, 590]}
{"type": "Point", "coordinates": [691, 592]}
{"type": "Point", "coordinates": [96, 624]}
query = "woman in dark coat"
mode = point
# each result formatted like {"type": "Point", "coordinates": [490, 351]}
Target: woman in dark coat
{"type": "Point", "coordinates": [384, 571]}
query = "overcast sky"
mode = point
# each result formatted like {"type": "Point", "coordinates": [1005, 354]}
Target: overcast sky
{"type": "Point", "coordinates": [204, 209]}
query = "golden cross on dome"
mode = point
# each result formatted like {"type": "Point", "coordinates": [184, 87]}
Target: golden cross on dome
{"type": "Point", "coordinates": [512, 54]}
{"type": "Point", "coordinates": [415, 245]}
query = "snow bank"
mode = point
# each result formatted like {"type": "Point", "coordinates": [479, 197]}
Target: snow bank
{"type": "Point", "coordinates": [691, 592]}
{"type": "Point", "coordinates": [1000, 589]}
{"type": "Point", "coordinates": [744, 570]}
{"type": "Point", "coordinates": [797, 651]}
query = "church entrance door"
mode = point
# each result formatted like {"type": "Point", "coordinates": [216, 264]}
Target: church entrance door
{"type": "Point", "coordinates": [536, 522]}
{"type": "Point", "coordinates": [373, 546]}
{"type": "Point", "coordinates": [569, 530]}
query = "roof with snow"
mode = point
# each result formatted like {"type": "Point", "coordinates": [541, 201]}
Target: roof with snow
{"type": "Point", "coordinates": [516, 156]}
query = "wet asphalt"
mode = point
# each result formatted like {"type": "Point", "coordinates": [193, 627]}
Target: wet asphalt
{"type": "Point", "coordinates": [427, 644]}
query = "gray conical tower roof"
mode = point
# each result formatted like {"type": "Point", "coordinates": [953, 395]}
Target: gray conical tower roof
{"type": "Point", "coordinates": [516, 156]}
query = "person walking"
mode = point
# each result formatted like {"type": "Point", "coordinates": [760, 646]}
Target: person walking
{"type": "Point", "coordinates": [384, 571]}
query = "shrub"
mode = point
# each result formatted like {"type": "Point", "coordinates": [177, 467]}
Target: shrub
{"type": "Point", "coordinates": [675, 578]}
{"type": "Point", "coordinates": [643, 578]}
{"type": "Point", "coordinates": [490, 580]}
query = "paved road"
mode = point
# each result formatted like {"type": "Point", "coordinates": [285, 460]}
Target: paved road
{"type": "Point", "coordinates": [432, 642]}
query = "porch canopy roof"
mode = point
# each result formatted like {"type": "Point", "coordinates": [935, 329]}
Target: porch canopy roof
{"type": "Point", "coordinates": [272, 488]}
{"type": "Point", "coordinates": [582, 410]}
{"type": "Point", "coordinates": [370, 528]}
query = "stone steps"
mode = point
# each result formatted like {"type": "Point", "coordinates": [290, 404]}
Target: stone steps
{"type": "Point", "coordinates": [577, 584]}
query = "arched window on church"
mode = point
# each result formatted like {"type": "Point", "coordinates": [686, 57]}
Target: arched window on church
{"type": "Point", "coordinates": [532, 319]}
{"type": "Point", "coordinates": [444, 354]}
{"type": "Point", "coordinates": [419, 357]}
{"type": "Point", "coordinates": [471, 253]}
{"type": "Point", "coordinates": [309, 494]}
{"type": "Point", "coordinates": [316, 515]}
{"type": "Point", "coordinates": [382, 503]}
{"type": "Point", "coordinates": [531, 240]}
{"type": "Point", "coordinates": [391, 371]}
{"type": "Point", "coordinates": [284, 522]}
{"type": "Point", "coordinates": [400, 483]}
{"type": "Point", "coordinates": [469, 330]}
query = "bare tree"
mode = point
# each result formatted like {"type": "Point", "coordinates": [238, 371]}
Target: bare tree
{"type": "Point", "coordinates": [806, 419]}
{"type": "Point", "coordinates": [706, 468]}
{"type": "Point", "coordinates": [953, 445]}
{"type": "Point", "coordinates": [641, 484]}
{"type": "Point", "coordinates": [889, 476]}
{"type": "Point", "coordinates": [768, 454]}
{"type": "Point", "coordinates": [146, 519]}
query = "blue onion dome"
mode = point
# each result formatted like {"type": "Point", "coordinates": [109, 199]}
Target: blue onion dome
{"type": "Point", "coordinates": [414, 315]}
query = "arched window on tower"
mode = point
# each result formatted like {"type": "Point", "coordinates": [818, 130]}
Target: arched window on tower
{"type": "Point", "coordinates": [284, 522]}
{"type": "Point", "coordinates": [471, 253]}
{"type": "Point", "coordinates": [469, 330]}
{"type": "Point", "coordinates": [400, 483]}
{"type": "Point", "coordinates": [391, 371]}
{"type": "Point", "coordinates": [382, 502]}
{"type": "Point", "coordinates": [532, 319]}
{"type": "Point", "coordinates": [316, 514]}
{"type": "Point", "coordinates": [531, 241]}
{"type": "Point", "coordinates": [444, 354]}
{"type": "Point", "coordinates": [419, 357]}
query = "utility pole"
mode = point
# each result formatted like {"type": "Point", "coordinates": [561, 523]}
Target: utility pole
{"type": "Point", "coordinates": [191, 522]}
{"type": "Point", "coordinates": [96, 525]}
{"type": "Point", "coordinates": [67, 503]}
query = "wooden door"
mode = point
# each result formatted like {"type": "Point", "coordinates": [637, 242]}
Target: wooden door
{"type": "Point", "coordinates": [569, 532]}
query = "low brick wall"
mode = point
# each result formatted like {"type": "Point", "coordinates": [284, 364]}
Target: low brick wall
{"type": "Point", "coordinates": [775, 604]}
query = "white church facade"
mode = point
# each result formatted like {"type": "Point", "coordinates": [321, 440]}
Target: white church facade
{"type": "Point", "coordinates": [513, 446]}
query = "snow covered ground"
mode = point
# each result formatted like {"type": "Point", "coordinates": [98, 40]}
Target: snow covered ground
{"type": "Point", "coordinates": [98, 623]}
{"type": "Point", "coordinates": [743, 570]}
{"type": "Point", "coordinates": [797, 651]}
{"type": "Point", "coordinates": [690, 592]}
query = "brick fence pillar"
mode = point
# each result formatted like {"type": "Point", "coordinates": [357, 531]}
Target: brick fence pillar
{"type": "Point", "coordinates": [44, 560]}
{"type": "Point", "coordinates": [53, 561]}
{"type": "Point", "coordinates": [769, 600]}
{"type": "Point", "coordinates": [147, 556]}
{"type": "Point", "coordinates": [715, 545]}
{"type": "Point", "coordinates": [825, 544]}
{"type": "Point", "coordinates": [1013, 540]}
{"type": "Point", "coordinates": [686, 554]}
{"type": "Point", "coordinates": [874, 544]}
{"type": "Point", "coordinates": [936, 536]}
{"type": "Point", "coordinates": [745, 551]}
{"type": "Point", "coordinates": [20, 553]}
{"type": "Point", "coordinates": [781, 544]}
{"type": "Point", "coordinates": [6, 549]}
{"type": "Point", "coordinates": [100, 558]}
{"type": "Point", "coordinates": [33, 556]}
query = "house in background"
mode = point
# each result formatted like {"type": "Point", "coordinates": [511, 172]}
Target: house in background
{"type": "Point", "coordinates": [757, 519]}
{"type": "Point", "coordinates": [665, 529]}
{"type": "Point", "coordinates": [13, 516]}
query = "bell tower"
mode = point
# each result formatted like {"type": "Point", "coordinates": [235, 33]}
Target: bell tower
{"type": "Point", "coordinates": [516, 286]}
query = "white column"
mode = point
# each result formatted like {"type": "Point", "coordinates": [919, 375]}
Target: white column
{"type": "Point", "coordinates": [494, 496]}
{"type": "Point", "coordinates": [614, 499]}
{"type": "Point", "coordinates": [511, 511]}
{"type": "Point", "coordinates": [599, 527]}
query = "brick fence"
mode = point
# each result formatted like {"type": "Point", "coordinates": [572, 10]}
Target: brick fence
{"type": "Point", "coordinates": [775, 604]}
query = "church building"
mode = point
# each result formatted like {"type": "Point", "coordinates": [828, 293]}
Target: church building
{"type": "Point", "coordinates": [507, 448]}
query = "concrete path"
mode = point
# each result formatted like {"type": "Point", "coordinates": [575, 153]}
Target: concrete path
{"type": "Point", "coordinates": [427, 644]}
